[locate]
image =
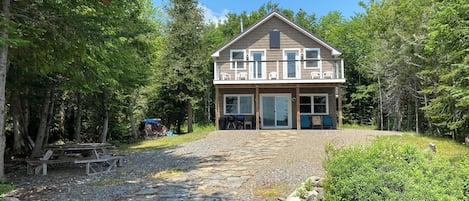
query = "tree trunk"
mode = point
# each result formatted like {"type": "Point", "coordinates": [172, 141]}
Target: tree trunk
{"type": "Point", "coordinates": [41, 132]}
{"type": "Point", "coordinates": [77, 122]}
{"type": "Point", "coordinates": [380, 104]}
{"type": "Point", "coordinates": [50, 118]}
{"type": "Point", "coordinates": [103, 135]}
{"type": "Point", "coordinates": [417, 115]}
{"type": "Point", "coordinates": [3, 75]}
{"type": "Point", "coordinates": [189, 117]}
{"type": "Point", "coordinates": [19, 144]}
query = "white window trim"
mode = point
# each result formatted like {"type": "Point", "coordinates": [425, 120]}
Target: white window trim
{"type": "Point", "coordinates": [232, 66]}
{"type": "Point", "coordinates": [238, 104]}
{"type": "Point", "coordinates": [312, 103]}
{"type": "Point", "coordinates": [298, 70]}
{"type": "Point", "coordinates": [264, 64]}
{"type": "Point", "coordinates": [319, 58]}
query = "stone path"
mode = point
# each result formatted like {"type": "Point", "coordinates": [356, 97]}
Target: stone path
{"type": "Point", "coordinates": [219, 177]}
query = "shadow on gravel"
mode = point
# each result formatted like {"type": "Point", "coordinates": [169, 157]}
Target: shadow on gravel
{"type": "Point", "coordinates": [135, 180]}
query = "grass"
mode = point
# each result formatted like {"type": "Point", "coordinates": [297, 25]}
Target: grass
{"type": "Point", "coordinates": [167, 173]}
{"type": "Point", "coordinates": [119, 178]}
{"type": "Point", "coordinates": [200, 132]}
{"type": "Point", "coordinates": [444, 146]}
{"type": "Point", "coordinates": [5, 188]}
{"type": "Point", "coordinates": [272, 190]}
{"type": "Point", "coordinates": [358, 126]}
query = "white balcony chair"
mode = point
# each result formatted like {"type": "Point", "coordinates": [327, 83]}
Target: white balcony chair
{"type": "Point", "coordinates": [315, 75]}
{"type": "Point", "coordinates": [328, 74]}
{"type": "Point", "coordinates": [225, 76]}
{"type": "Point", "coordinates": [273, 76]}
{"type": "Point", "coordinates": [242, 76]}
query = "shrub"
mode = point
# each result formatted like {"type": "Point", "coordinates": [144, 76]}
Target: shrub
{"type": "Point", "coordinates": [388, 171]}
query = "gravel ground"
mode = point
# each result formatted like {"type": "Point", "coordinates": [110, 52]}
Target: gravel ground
{"type": "Point", "coordinates": [291, 166]}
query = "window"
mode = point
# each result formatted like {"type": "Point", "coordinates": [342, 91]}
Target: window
{"type": "Point", "coordinates": [239, 104]}
{"type": "Point", "coordinates": [311, 57]}
{"type": "Point", "coordinates": [237, 59]}
{"type": "Point", "coordinates": [274, 39]}
{"type": "Point", "coordinates": [314, 104]}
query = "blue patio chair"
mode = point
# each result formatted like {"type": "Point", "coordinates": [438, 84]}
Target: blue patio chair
{"type": "Point", "coordinates": [305, 121]}
{"type": "Point", "coordinates": [327, 122]}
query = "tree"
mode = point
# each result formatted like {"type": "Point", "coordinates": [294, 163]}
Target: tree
{"type": "Point", "coordinates": [447, 78]}
{"type": "Point", "coordinates": [3, 72]}
{"type": "Point", "coordinates": [183, 72]}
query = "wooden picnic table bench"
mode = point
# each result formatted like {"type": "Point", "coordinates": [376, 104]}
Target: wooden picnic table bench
{"type": "Point", "coordinates": [103, 164]}
{"type": "Point", "coordinates": [96, 156]}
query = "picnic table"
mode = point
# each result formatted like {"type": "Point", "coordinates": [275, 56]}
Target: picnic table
{"type": "Point", "coordinates": [96, 156]}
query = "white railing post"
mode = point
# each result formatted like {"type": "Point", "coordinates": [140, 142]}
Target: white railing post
{"type": "Point", "coordinates": [278, 73]}
{"type": "Point", "coordinates": [320, 69]}
{"type": "Point", "coordinates": [236, 71]}
{"type": "Point", "coordinates": [216, 75]}
{"type": "Point", "coordinates": [342, 68]}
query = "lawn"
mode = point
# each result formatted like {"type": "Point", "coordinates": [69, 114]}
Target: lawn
{"type": "Point", "coordinates": [200, 132]}
{"type": "Point", "coordinates": [444, 146]}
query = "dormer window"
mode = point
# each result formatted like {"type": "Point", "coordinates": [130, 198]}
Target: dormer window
{"type": "Point", "coordinates": [237, 58]}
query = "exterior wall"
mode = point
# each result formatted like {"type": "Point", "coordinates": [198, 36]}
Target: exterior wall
{"type": "Point", "coordinates": [290, 90]}
{"type": "Point", "coordinates": [290, 38]}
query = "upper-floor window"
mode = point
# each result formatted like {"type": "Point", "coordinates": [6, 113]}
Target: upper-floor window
{"type": "Point", "coordinates": [237, 58]}
{"type": "Point", "coordinates": [312, 58]}
{"type": "Point", "coordinates": [274, 37]}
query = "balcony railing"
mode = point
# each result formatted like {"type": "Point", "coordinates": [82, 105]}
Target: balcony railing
{"type": "Point", "coordinates": [330, 70]}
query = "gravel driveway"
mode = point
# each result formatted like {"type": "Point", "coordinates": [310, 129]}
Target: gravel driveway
{"type": "Point", "coordinates": [227, 165]}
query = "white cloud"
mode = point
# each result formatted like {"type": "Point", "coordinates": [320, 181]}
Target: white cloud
{"type": "Point", "coordinates": [215, 17]}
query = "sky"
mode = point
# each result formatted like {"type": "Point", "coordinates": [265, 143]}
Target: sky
{"type": "Point", "coordinates": [215, 10]}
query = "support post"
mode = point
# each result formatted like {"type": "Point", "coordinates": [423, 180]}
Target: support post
{"type": "Point", "coordinates": [297, 105]}
{"type": "Point", "coordinates": [217, 108]}
{"type": "Point", "coordinates": [257, 102]}
{"type": "Point", "coordinates": [339, 106]}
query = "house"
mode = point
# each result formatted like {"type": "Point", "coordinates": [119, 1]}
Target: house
{"type": "Point", "coordinates": [277, 75]}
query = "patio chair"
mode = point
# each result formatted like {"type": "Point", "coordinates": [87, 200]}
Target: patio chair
{"type": "Point", "coordinates": [316, 121]}
{"type": "Point", "coordinates": [248, 122]}
{"type": "Point", "coordinates": [305, 121]}
{"type": "Point", "coordinates": [239, 121]}
{"type": "Point", "coordinates": [242, 76]}
{"type": "Point", "coordinates": [231, 123]}
{"type": "Point", "coordinates": [327, 122]}
{"type": "Point", "coordinates": [273, 76]}
{"type": "Point", "coordinates": [328, 74]}
{"type": "Point", "coordinates": [225, 76]}
{"type": "Point", "coordinates": [315, 75]}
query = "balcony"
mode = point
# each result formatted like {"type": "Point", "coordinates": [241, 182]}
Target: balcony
{"type": "Point", "coordinates": [279, 71]}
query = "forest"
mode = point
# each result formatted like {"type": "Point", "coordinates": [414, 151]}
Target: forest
{"type": "Point", "coordinates": [90, 71]}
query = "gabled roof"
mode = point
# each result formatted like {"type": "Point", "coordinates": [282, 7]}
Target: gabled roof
{"type": "Point", "coordinates": [334, 51]}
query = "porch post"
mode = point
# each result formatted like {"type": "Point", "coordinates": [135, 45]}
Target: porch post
{"type": "Point", "coordinates": [339, 106]}
{"type": "Point", "coordinates": [257, 102]}
{"type": "Point", "coordinates": [297, 105]}
{"type": "Point", "coordinates": [217, 109]}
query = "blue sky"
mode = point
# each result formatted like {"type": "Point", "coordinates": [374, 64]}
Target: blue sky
{"type": "Point", "coordinates": [217, 9]}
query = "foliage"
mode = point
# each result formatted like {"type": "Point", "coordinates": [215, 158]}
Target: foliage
{"type": "Point", "coordinates": [448, 46]}
{"type": "Point", "coordinates": [386, 170]}
{"type": "Point", "coordinates": [5, 188]}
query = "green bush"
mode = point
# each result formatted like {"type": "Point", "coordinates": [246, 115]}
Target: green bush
{"type": "Point", "coordinates": [387, 171]}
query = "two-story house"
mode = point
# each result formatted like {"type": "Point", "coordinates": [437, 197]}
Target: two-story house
{"type": "Point", "coordinates": [277, 75]}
